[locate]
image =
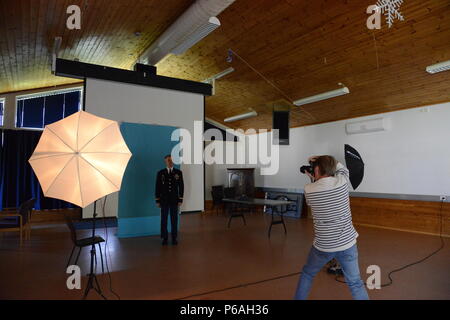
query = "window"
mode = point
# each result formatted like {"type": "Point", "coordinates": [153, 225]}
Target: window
{"type": "Point", "coordinates": [38, 110]}
{"type": "Point", "coordinates": [2, 106]}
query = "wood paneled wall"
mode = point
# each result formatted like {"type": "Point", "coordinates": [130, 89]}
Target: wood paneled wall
{"type": "Point", "coordinates": [54, 216]}
{"type": "Point", "coordinates": [405, 215]}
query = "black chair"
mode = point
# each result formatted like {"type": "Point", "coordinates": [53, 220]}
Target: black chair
{"type": "Point", "coordinates": [229, 192]}
{"type": "Point", "coordinates": [18, 221]}
{"type": "Point", "coordinates": [234, 209]}
{"type": "Point", "coordinates": [217, 196]}
{"type": "Point", "coordinates": [280, 210]}
{"type": "Point", "coordinates": [81, 243]}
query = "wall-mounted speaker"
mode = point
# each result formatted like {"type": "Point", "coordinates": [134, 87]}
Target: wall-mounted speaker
{"type": "Point", "coordinates": [281, 122]}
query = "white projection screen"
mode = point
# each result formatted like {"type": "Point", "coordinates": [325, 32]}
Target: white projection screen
{"type": "Point", "coordinates": [125, 102]}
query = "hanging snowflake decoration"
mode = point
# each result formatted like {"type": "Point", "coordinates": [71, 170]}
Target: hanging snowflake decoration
{"type": "Point", "coordinates": [390, 8]}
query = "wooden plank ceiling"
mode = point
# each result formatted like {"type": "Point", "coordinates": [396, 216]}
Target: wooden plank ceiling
{"type": "Point", "coordinates": [107, 35]}
{"type": "Point", "coordinates": [303, 47]}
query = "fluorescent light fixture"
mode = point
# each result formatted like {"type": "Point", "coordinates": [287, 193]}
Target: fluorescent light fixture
{"type": "Point", "coordinates": [195, 36]}
{"type": "Point", "coordinates": [242, 116]}
{"type": "Point", "coordinates": [217, 124]}
{"type": "Point", "coordinates": [439, 67]}
{"type": "Point", "coordinates": [322, 96]}
{"type": "Point", "coordinates": [212, 80]}
{"type": "Point", "coordinates": [219, 75]}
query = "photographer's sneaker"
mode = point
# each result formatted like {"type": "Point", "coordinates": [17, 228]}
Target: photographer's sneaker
{"type": "Point", "coordinates": [335, 270]}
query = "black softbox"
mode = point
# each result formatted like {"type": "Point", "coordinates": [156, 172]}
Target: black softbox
{"type": "Point", "coordinates": [355, 165]}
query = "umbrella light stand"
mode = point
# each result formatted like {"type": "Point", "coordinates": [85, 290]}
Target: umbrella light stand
{"type": "Point", "coordinates": [355, 165]}
{"type": "Point", "coordinates": [93, 281]}
{"type": "Point", "coordinates": [81, 159]}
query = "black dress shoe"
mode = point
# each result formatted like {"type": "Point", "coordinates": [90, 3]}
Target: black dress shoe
{"type": "Point", "coordinates": [174, 242]}
{"type": "Point", "coordinates": [164, 242]}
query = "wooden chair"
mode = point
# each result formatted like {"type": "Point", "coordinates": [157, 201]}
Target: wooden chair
{"type": "Point", "coordinates": [13, 220]}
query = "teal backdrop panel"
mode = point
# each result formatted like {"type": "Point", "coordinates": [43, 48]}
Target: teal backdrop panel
{"type": "Point", "coordinates": [138, 214]}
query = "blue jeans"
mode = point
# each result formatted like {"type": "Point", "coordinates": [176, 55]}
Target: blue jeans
{"type": "Point", "coordinates": [349, 263]}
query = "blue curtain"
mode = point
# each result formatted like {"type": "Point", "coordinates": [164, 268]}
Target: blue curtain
{"type": "Point", "coordinates": [18, 182]}
{"type": "Point", "coordinates": [37, 112]}
{"type": "Point", "coordinates": [72, 103]}
{"type": "Point", "coordinates": [53, 108]}
{"type": "Point", "coordinates": [1, 113]}
{"type": "Point", "coordinates": [33, 113]}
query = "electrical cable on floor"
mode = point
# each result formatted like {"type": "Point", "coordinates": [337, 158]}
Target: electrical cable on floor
{"type": "Point", "coordinates": [240, 285]}
{"type": "Point", "coordinates": [274, 278]}
{"type": "Point", "coordinates": [337, 277]}
{"type": "Point", "coordinates": [107, 251]}
{"type": "Point", "coordinates": [413, 263]}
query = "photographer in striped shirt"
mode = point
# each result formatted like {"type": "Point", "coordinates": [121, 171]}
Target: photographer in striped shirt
{"type": "Point", "coordinates": [334, 234]}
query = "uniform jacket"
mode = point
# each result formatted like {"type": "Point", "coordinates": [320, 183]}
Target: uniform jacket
{"type": "Point", "coordinates": [169, 187]}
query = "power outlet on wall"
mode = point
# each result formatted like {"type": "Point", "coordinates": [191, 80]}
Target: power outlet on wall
{"type": "Point", "coordinates": [443, 198]}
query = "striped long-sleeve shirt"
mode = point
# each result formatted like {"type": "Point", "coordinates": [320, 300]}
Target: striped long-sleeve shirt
{"type": "Point", "coordinates": [330, 206]}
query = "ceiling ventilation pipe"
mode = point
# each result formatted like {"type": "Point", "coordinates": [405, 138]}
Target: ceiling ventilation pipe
{"type": "Point", "coordinates": [193, 25]}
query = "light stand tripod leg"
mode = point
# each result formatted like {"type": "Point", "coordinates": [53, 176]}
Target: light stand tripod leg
{"type": "Point", "coordinates": [92, 277]}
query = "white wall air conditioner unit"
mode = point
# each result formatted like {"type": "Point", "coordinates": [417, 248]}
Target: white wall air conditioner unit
{"type": "Point", "coordinates": [366, 126]}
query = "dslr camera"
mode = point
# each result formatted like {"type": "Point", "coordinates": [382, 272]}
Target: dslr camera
{"type": "Point", "coordinates": [310, 168]}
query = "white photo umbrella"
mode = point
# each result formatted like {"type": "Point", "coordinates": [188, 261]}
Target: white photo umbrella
{"type": "Point", "coordinates": [80, 159]}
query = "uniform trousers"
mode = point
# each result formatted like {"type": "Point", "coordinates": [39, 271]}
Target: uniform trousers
{"type": "Point", "coordinates": [172, 211]}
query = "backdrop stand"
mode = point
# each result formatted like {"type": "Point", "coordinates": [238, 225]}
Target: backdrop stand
{"type": "Point", "coordinates": [93, 281]}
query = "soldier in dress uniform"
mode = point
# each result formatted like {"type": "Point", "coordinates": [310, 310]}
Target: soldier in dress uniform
{"type": "Point", "coordinates": [169, 197]}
